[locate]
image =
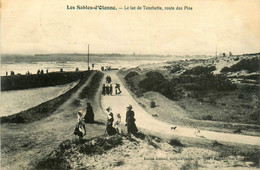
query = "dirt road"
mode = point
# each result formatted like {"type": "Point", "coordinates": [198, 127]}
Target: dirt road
{"type": "Point", "coordinates": [143, 120]}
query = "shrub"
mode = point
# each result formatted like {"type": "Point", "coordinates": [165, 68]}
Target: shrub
{"type": "Point", "coordinates": [207, 117]}
{"type": "Point", "coordinates": [175, 68]}
{"type": "Point", "coordinates": [75, 103]}
{"type": "Point", "coordinates": [154, 75]}
{"type": "Point", "coordinates": [175, 142]}
{"type": "Point", "coordinates": [155, 81]}
{"type": "Point", "coordinates": [130, 75]}
{"type": "Point", "coordinates": [198, 70]}
{"type": "Point", "coordinates": [152, 104]}
{"type": "Point", "coordinates": [241, 96]}
{"type": "Point", "coordinates": [216, 143]}
{"type": "Point", "coordinates": [212, 101]}
{"type": "Point", "coordinates": [237, 131]}
{"type": "Point", "coordinates": [205, 82]}
{"type": "Point", "coordinates": [251, 65]}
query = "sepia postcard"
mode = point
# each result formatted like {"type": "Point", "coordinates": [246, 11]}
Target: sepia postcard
{"type": "Point", "coordinates": [130, 84]}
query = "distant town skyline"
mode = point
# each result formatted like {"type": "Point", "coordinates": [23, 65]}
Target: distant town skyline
{"type": "Point", "coordinates": [39, 27]}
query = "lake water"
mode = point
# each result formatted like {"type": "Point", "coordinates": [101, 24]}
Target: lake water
{"type": "Point", "coordinates": [18, 100]}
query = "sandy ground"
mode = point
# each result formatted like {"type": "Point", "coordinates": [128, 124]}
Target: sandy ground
{"type": "Point", "coordinates": [152, 153]}
{"type": "Point", "coordinates": [143, 120]}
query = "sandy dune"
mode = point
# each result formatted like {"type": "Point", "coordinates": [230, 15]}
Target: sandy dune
{"type": "Point", "coordinates": [143, 120]}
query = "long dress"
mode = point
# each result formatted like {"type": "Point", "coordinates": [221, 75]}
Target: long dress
{"type": "Point", "coordinates": [110, 129]}
{"type": "Point", "coordinates": [89, 117]}
{"type": "Point", "coordinates": [130, 121]}
{"type": "Point", "coordinates": [104, 90]}
{"type": "Point", "coordinates": [80, 129]}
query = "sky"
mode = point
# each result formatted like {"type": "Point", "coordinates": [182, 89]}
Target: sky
{"type": "Point", "coordinates": [39, 26]}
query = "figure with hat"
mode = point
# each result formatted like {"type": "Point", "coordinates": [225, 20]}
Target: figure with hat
{"type": "Point", "coordinates": [104, 89]}
{"type": "Point", "coordinates": [117, 89]}
{"type": "Point", "coordinates": [110, 89]}
{"type": "Point", "coordinates": [80, 129]}
{"type": "Point", "coordinates": [89, 116]}
{"type": "Point", "coordinates": [130, 121]}
{"type": "Point", "coordinates": [107, 89]}
{"type": "Point", "coordinates": [110, 130]}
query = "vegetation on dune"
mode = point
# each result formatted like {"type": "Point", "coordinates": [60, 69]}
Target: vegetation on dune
{"type": "Point", "coordinates": [219, 98]}
{"type": "Point", "coordinates": [64, 155]}
{"type": "Point", "coordinates": [155, 81]}
{"type": "Point", "coordinates": [198, 70]}
{"type": "Point", "coordinates": [178, 86]}
{"type": "Point", "coordinates": [90, 90]}
{"type": "Point", "coordinates": [204, 82]}
{"type": "Point", "coordinates": [175, 142]}
{"type": "Point", "coordinates": [130, 75]}
{"type": "Point", "coordinates": [175, 68]}
{"type": "Point", "coordinates": [59, 158]}
{"type": "Point", "coordinates": [251, 65]}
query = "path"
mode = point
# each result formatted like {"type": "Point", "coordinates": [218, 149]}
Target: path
{"type": "Point", "coordinates": [144, 120]}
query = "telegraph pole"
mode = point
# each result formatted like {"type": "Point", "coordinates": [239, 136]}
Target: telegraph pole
{"type": "Point", "coordinates": [88, 57]}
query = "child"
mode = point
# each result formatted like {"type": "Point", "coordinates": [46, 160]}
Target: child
{"type": "Point", "coordinates": [117, 123]}
{"type": "Point", "coordinates": [80, 129]}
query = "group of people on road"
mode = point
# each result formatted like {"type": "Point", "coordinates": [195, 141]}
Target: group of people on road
{"type": "Point", "coordinates": [113, 122]}
{"type": "Point", "coordinates": [108, 68]}
{"type": "Point", "coordinates": [113, 125]}
{"type": "Point", "coordinates": [107, 89]}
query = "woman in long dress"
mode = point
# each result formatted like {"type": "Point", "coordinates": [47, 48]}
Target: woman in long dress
{"type": "Point", "coordinates": [89, 116]}
{"type": "Point", "coordinates": [80, 129]}
{"type": "Point", "coordinates": [130, 121]}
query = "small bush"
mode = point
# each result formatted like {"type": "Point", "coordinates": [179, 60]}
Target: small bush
{"type": "Point", "coordinates": [155, 81]}
{"type": "Point", "coordinates": [152, 104]}
{"type": "Point", "coordinates": [237, 131]}
{"type": "Point", "coordinates": [130, 75]}
{"type": "Point", "coordinates": [198, 70]}
{"type": "Point", "coordinates": [175, 68]}
{"type": "Point", "coordinates": [75, 103]}
{"type": "Point", "coordinates": [212, 101]}
{"type": "Point", "coordinates": [175, 142]}
{"type": "Point", "coordinates": [207, 117]}
{"type": "Point", "coordinates": [154, 75]}
{"type": "Point", "coordinates": [241, 96]}
{"type": "Point", "coordinates": [216, 143]}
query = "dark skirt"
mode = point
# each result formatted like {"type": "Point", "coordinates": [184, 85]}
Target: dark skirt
{"type": "Point", "coordinates": [77, 131]}
{"type": "Point", "coordinates": [131, 126]}
{"type": "Point", "coordinates": [110, 130]}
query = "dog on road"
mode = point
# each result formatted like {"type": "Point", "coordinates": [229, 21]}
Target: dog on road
{"type": "Point", "coordinates": [173, 127]}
